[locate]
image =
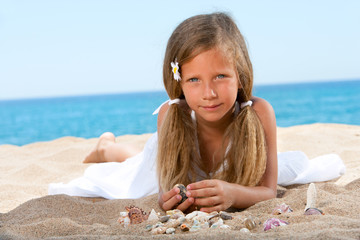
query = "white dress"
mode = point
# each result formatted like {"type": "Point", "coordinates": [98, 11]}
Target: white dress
{"type": "Point", "coordinates": [136, 177]}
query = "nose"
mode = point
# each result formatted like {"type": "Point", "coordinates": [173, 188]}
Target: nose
{"type": "Point", "coordinates": [209, 91]}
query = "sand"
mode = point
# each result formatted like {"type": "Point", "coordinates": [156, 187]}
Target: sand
{"type": "Point", "coordinates": [26, 212]}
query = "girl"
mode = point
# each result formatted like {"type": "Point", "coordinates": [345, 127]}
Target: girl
{"type": "Point", "coordinates": [226, 152]}
{"type": "Point", "coordinates": [214, 128]}
{"type": "Point", "coordinates": [214, 136]}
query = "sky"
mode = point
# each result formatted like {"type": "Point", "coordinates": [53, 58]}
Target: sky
{"type": "Point", "coordinates": [84, 47]}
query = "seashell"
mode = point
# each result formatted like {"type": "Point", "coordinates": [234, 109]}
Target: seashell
{"type": "Point", "coordinates": [170, 231]}
{"type": "Point", "coordinates": [195, 228]}
{"type": "Point", "coordinates": [184, 227]}
{"type": "Point", "coordinates": [124, 220]}
{"type": "Point", "coordinates": [313, 211]}
{"type": "Point", "coordinates": [159, 230]}
{"type": "Point", "coordinates": [204, 225]}
{"type": "Point", "coordinates": [282, 208]}
{"type": "Point", "coordinates": [181, 220]}
{"type": "Point", "coordinates": [173, 223]}
{"type": "Point", "coordinates": [136, 215]}
{"type": "Point", "coordinates": [217, 224]}
{"type": "Point", "coordinates": [212, 215]}
{"type": "Point", "coordinates": [164, 219]}
{"type": "Point", "coordinates": [224, 226]}
{"type": "Point", "coordinates": [149, 227]}
{"type": "Point", "coordinates": [193, 214]}
{"type": "Point", "coordinates": [274, 222]}
{"type": "Point", "coordinates": [225, 215]}
{"type": "Point", "coordinates": [244, 230]}
{"type": "Point", "coordinates": [200, 218]}
{"type": "Point", "coordinates": [195, 222]}
{"type": "Point", "coordinates": [249, 223]}
{"type": "Point", "coordinates": [311, 197]}
{"type": "Point", "coordinates": [159, 224]}
{"type": "Point", "coordinates": [175, 213]}
{"type": "Point", "coordinates": [153, 216]}
{"type": "Point", "coordinates": [182, 192]}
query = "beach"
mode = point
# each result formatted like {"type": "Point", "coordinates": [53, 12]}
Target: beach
{"type": "Point", "coordinates": [27, 212]}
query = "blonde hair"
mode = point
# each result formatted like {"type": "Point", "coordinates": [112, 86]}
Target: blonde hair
{"type": "Point", "coordinates": [177, 151]}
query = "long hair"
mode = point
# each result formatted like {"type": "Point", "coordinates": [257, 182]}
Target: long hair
{"type": "Point", "coordinates": [177, 152]}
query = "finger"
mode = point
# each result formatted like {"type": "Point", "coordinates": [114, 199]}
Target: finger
{"type": "Point", "coordinates": [166, 196]}
{"type": "Point", "coordinates": [217, 208]}
{"type": "Point", "coordinates": [203, 192]}
{"type": "Point", "coordinates": [186, 204]}
{"type": "Point", "coordinates": [209, 201]}
{"type": "Point", "coordinates": [201, 184]}
{"type": "Point", "coordinates": [172, 202]}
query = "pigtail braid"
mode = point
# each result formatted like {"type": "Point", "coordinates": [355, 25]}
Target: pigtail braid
{"type": "Point", "coordinates": [176, 148]}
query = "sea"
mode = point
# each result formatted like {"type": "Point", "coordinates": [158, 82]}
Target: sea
{"type": "Point", "coordinates": [33, 120]}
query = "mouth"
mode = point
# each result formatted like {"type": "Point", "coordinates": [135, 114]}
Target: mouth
{"type": "Point", "coordinates": [211, 107]}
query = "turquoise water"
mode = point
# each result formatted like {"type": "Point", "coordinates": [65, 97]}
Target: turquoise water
{"type": "Point", "coordinates": [33, 120]}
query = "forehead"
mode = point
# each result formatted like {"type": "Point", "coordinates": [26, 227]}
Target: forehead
{"type": "Point", "coordinates": [215, 59]}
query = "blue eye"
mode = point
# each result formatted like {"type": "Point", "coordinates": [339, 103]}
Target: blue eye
{"type": "Point", "coordinates": [220, 76]}
{"type": "Point", "coordinates": [193, 80]}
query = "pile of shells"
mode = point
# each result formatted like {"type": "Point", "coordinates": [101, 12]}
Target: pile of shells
{"type": "Point", "coordinates": [192, 222]}
{"type": "Point", "coordinates": [176, 221]}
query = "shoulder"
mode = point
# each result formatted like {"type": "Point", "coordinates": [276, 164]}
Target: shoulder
{"type": "Point", "coordinates": [164, 109]}
{"type": "Point", "coordinates": [265, 111]}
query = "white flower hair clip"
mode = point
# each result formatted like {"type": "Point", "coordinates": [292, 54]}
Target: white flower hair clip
{"type": "Point", "coordinates": [175, 70]}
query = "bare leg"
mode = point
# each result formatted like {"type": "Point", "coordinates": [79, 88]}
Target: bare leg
{"type": "Point", "coordinates": [107, 150]}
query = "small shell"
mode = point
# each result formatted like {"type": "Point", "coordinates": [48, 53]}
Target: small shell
{"type": "Point", "coordinates": [153, 216]}
{"type": "Point", "coordinates": [195, 228]}
{"type": "Point", "coordinates": [164, 219]}
{"type": "Point", "coordinates": [159, 230]}
{"type": "Point", "coordinates": [313, 211]}
{"type": "Point", "coordinates": [149, 227]}
{"type": "Point", "coordinates": [182, 192]}
{"type": "Point", "coordinates": [224, 226]}
{"type": "Point", "coordinates": [175, 213]}
{"type": "Point", "coordinates": [217, 224]}
{"type": "Point", "coordinates": [212, 215]}
{"type": "Point", "coordinates": [225, 216]}
{"type": "Point", "coordinates": [311, 196]}
{"type": "Point", "coordinates": [282, 208]}
{"type": "Point", "coordinates": [244, 230]}
{"type": "Point", "coordinates": [170, 231]}
{"type": "Point", "coordinates": [249, 223]}
{"type": "Point", "coordinates": [274, 222]}
{"type": "Point", "coordinates": [136, 215]}
{"type": "Point", "coordinates": [184, 227]}
{"type": "Point", "coordinates": [173, 223]}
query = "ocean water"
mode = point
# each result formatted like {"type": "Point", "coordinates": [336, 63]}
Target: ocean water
{"type": "Point", "coordinates": [33, 120]}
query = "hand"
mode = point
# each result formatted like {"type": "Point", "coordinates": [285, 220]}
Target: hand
{"type": "Point", "coordinates": [212, 195]}
{"type": "Point", "coordinates": [171, 199]}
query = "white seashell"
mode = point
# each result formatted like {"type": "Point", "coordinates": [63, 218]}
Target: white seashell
{"type": "Point", "coordinates": [175, 213]}
{"type": "Point", "coordinates": [191, 215]}
{"type": "Point", "coordinates": [244, 230]}
{"type": "Point", "coordinates": [124, 214]}
{"type": "Point", "coordinates": [224, 226]}
{"type": "Point", "coordinates": [173, 223]}
{"type": "Point", "coordinates": [311, 197]}
{"type": "Point", "coordinates": [159, 230]}
{"type": "Point", "coordinates": [170, 231]}
{"type": "Point", "coordinates": [201, 218]}
{"type": "Point", "coordinates": [225, 215]}
{"type": "Point", "coordinates": [153, 216]}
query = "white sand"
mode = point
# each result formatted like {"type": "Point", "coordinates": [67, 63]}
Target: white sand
{"type": "Point", "coordinates": [26, 172]}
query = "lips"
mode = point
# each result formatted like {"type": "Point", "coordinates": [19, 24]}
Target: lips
{"type": "Point", "coordinates": [211, 107]}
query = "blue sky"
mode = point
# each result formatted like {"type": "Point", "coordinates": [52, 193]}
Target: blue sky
{"type": "Point", "coordinates": [69, 47]}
